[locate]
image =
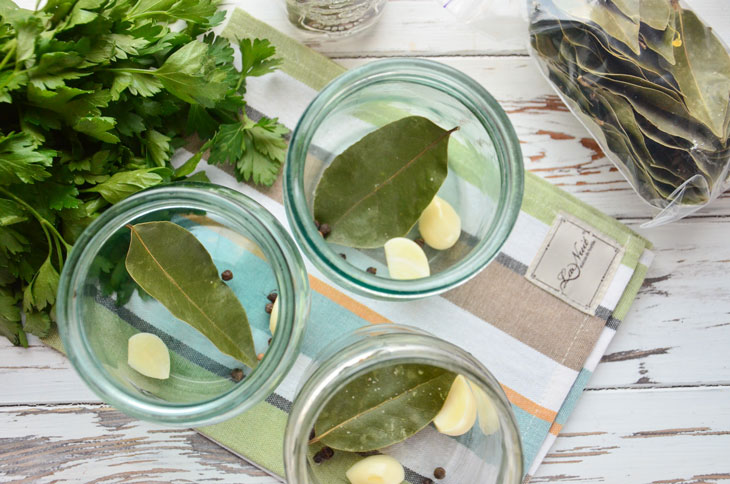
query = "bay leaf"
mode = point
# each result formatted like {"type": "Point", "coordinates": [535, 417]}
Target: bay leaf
{"type": "Point", "coordinates": [383, 407]}
{"type": "Point", "coordinates": [658, 136]}
{"type": "Point", "coordinates": [377, 188]}
{"type": "Point", "coordinates": [662, 110]}
{"type": "Point", "coordinates": [656, 13]}
{"type": "Point", "coordinates": [172, 266]}
{"type": "Point", "coordinates": [607, 17]}
{"type": "Point", "coordinates": [630, 8]}
{"type": "Point", "coordinates": [702, 71]}
{"type": "Point", "coordinates": [660, 41]}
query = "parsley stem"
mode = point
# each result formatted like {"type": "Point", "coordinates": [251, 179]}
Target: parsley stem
{"type": "Point", "coordinates": [10, 53]}
{"type": "Point", "coordinates": [151, 13]}
{"type": "Point", "coordinates": [41, 220]}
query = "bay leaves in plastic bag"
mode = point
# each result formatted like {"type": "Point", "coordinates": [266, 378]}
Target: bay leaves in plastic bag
{"type": "Point", "coordinates": [607, 17]}
{"type": "Point", "coordinates": [702, 71]}
{"type": "Point", "coordinates": [656, 13]}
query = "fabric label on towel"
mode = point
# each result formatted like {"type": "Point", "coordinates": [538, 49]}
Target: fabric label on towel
{"type": "Point", "coordinates": [576, 263]}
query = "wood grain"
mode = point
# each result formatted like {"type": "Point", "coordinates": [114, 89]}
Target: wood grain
{"type": "Point", "coordinates": [677, 436]}
{"type": "Point", "coordinates": [94, 444]}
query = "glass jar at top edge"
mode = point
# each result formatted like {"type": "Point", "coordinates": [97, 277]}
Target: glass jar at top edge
{"type": "Point", "coordinates": [334, 18]}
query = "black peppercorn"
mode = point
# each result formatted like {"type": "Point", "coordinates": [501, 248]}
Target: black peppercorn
{"type": "Point", "coordinates": [227, 275]}
{"type": "Point", "coordinates": [272, 297]}
{"type": "Point", "coordinates": [325, 230]}
{"type": "Point", "coordinates": [420, 242]}
{"type": "Point", "coordinates": [237, 374]}
{"type": "Point", "coordinates": [312, 434]}
{"type": "Point", "coordinates": [317, 224]}
{"type": "Point", "coordinates": [343, 256]}
{"type": "Point", "coordinates": [269, 307]}
{"type": "Point", "coordinates": [439, 473]}
{"type": "Point", "coordinates": [372, 270]}
{"type": "Point", "coordinates": [324, 454]}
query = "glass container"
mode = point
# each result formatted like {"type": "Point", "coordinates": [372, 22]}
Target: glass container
{"type": "Point", "coordinates": [100, 307]}
{"type": "Point", "coordinates": [334, 18]}
{"type": "Point", "coordinates": [490, 453]}
{"type": "Point", "coordinates": [484, 183]}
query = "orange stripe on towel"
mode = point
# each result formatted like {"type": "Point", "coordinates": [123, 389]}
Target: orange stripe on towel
{"type": "Point", "coordinates": [346, 302]}
{"type": "Point", "coordinates": [529, 406]}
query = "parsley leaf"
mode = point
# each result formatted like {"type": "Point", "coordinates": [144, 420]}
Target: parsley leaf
{"type": "Point", "coordinates": [126, 183]}
{"type": "Point", "coordinates": [42, 290]}
{"type": "Point", "coordinates": [20, 161]}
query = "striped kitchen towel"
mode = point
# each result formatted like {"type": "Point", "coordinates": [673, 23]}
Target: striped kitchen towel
{"type": "Point", "coordinates": [539, 317]}
{"type": "Point", "coordinates": [541, 344]}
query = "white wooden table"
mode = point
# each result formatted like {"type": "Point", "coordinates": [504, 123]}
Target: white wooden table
{"type": "Point", "coordinates": [656, 410]}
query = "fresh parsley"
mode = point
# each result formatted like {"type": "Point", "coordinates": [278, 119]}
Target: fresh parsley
{"type": "Point", "coordinates": [95, 96]}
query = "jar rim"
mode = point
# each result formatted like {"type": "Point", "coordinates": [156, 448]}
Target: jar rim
{"type": "Point", "coordinates": [282, 256]}
{"type": "Point", "coordinates": [485, 109]}
{"type": "Point", "coordinates": [385, 345]}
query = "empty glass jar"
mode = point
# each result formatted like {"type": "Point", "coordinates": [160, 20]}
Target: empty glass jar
{"type": "Point", "coordinates": [334, 18]}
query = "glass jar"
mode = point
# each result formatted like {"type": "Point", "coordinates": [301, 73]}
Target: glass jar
{"type": "Point", "coordinates": [484, 184]}
{"type": "Point", "coordinates": [100, 307]}
{"type": "Point", "coordinates": [334, 18]}
{"type": "Point", "coordinates": [490, 453]}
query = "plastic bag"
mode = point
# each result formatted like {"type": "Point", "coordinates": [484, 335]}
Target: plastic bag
{"type": "Point", "coordinates": [650, 81]}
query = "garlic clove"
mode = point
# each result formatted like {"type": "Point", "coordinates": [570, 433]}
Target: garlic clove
{"type": "Point", "coordinates": [148, 355]}
{"type": "Point", "coordinates": [274, 316]}
{"type": "Point", "coordinates": [439, 224]}
{"type": "Point", "coordinates": [406, 259]}
{"type": "Point", "coordinates": [376, 469]}
{"type": "Point", "coordinates": [459, 412]}
{"type": "Point", "coordinates": [488, 418]}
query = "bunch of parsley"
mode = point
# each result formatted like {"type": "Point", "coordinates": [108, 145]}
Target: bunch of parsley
{"type": "Point", "coordinates": [95, 95]}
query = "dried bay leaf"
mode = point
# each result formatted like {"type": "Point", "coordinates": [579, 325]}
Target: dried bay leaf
{"type": "Point", "coordinates": [607, 17]}
{"type": "Point", "coordinates": [660, 41]}
{"type": "Point", "coordinates": [702, 71]}
{"type": "Point", "coordinates": [383, 407]}
{"type": "Point", "coordinates": [630, 8]}
{"type": "Point", "coordinates": [656, 13]}
{"type": "Point", "coordinates": [172, 266]}
{"type": "Point", "coordinates": [377, 188]}
{"type": "Point", "coordinates": [665, 112]}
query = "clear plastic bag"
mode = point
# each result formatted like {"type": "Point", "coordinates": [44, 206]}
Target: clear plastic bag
{"type": "Point", "coordinates": [651, 82]}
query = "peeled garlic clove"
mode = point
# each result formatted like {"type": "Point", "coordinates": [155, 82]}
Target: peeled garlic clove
{"type": "Point", "coordinates": [148, 354]}
{"type": "Point", "coordinates": [406, 259]}
{"type": "Point", "coordinates": [488, 418]}
{"type": "Point", "coordinates": [376, 469]}
{"type": "Point", "coordinates": [274, 316]}
{"type": "Point", "coordinates": [440, 225]}
{"type": "Point", "coordinates": [459, 412]}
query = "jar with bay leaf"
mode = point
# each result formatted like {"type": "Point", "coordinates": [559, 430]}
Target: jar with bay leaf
{"type": "Point", "coordinates": [391, 403]}
{"type": "Point", "coordinates": [403, 179]}
{"type": "Point", "coordinates": [162, 305]}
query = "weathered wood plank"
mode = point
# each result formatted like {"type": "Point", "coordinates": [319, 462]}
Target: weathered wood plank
{"type": "Point", "coordinates": [678, 331]}
{"type": "Point", "coordinates": [677, 436]}
{"type": "Point", "coordinates": [93, 443]}
{"type": "Point", "coordinates": [38, 374]}
{"type": "Point", "coordinates": [423, 28]}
